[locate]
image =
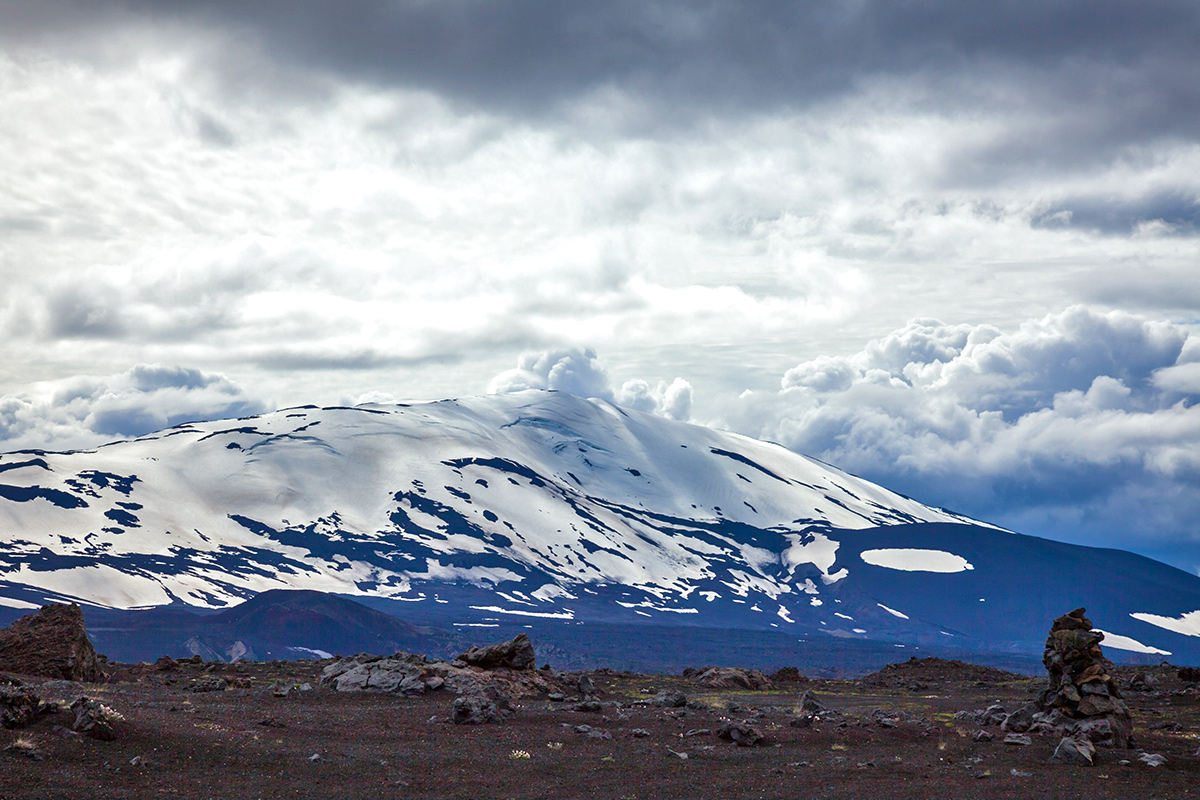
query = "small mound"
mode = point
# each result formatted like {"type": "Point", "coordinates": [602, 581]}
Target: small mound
{"type": "Point", "coordinates": [926, 670]}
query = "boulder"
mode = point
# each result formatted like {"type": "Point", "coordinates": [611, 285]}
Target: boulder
{"type": "Point", "coordinates": [515, 654]}
{"type": "Point", "coordinates": [485, 706]}
{"type": "Point", "coordinates": [52, 643]}
{"type": "Point", "coordinates": [728, 678]}
{"type": "Point", "coordinates": [810, 703]}
{"type": "Point", "coordinates": [668, 699]}
{"type": "Point", "coordinates": [1075, 751]}
{"type": "Point", "coordinates": [94, 719]}
{"type": "Point", "coordinates": [743, 735]}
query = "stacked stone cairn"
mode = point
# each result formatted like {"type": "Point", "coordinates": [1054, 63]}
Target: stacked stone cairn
{"type": "Point", "coordinates": [1081, 698]}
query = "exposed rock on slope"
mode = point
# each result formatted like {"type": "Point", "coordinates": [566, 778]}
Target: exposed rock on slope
{"type": "Point", "coordinates": [52, 643]}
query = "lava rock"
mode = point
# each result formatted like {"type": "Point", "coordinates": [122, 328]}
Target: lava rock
{"type": "Point", "coordinates": [1075, 751]}
{"type": "Point", "coordinates": [19, 706]}
{"type": "Point", "coordinates": [516, 653]}
{"type": "Point", "coordinates": [742, 735]}
{"type": "Point", "coordinates": [52, 643]}
{"type": "Point", "coordinates": [486, 706]}
{"type": "Point", "coordinates": [94, 719]}
{"type": "Point", "coordinates": [669, 699]}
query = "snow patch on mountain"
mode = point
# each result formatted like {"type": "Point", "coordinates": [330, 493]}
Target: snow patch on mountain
{"type": "Point", "coordinates": [913, 560]}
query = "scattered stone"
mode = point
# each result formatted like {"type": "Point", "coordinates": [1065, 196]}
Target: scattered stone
{"type": "Point", "coordinates": [213, 684]}
{"type": "Point", "coordinates": [271, 722]}
{"type": "Point", "coordinates": [516, 653]}
{"type": "Point", "coordinates": [804, 720]}
{"type": "Point", "coordinates": [1152, 759]}
{"type": "Point", "coordinates": [639, 733]}
{"type": "Point", "coordinates": [728, 678]}
{"type": "Point", "coordinates": [1075, 751]}
{"type": "Point", "coordinates": [556, 697]}
{"type": "Point", "coordinates": [1189, 674]}
{"type": "Point", "coordinates": [683, 756]}
{"type": "Point", "coordinates": [742, 735]}
{"type": "Point", "coordinates": [585, 685]}
{"type": "Point", "coordinates": [1081, 694]}
{"type": "Point", "coordinates": [1019, 774]}
{"type": "Point", "coordinates": [599, 734]}
{"type": "Point", "coordinates": [1018, 739]}
{"type": "Point", "coordinates": [589, 706]}
{"type": "Point", "coordinates": [137, 761]}
{"type": "Point", "coordinates": [697, 732]}
{"type": "Point", "coordinates": [315, 757]}
{"type": "Point", "coordinates": [668, 699]}
{"type": "Point", "coordinates": [53, 643]}
{"type": "Point", "coordinates": [485, 706]}
{"type": "Point", "coordinates": [982, 736]}
{"type": "Point", "coordinates": [94, 719]}
{"type": "Point", "coordinates": [166, 664]}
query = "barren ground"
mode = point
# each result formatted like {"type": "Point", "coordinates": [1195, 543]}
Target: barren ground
{"type": "Point", "coordinates": [245, 742]}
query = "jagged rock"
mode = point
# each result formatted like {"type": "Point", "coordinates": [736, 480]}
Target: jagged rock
{"type": "Point", "coordinates": [1152, 759]}
{"type": "Point", "coordinates": [668, 699]}
{"type": "Point", "coordinates": [166, 664]}
{"type": "Point", "coordinates": [590, 706]}
{"type": "Point", "coordinates": [810, 703]}
{"type": "Point", "coordinates": [516, 653]}
{"type": "Point", "coordinates": [742, 735]}
{"type": "Point", "coordinates": [556, 697]}
{"type": "Point", "coordinates": [727, 678]}
{"type": "Point", "coordinates": [639, 733]}
{"type": "Point", "coordinates": [787, 675]}
{"type": "Point", "coordinates": [489, 705]}
{"type": "Point", "coordinates": [52, 642]}
{"type": "Point", "coordinates": [1018, 739]}
{"type": "Point", "coordinates": [585, 685]}
{"type": "Point", "coordinates": [94, 719]}
{"type": "Point", "coordinates": [982, 736]}
{"type": "Point", "coordinates": [1081, 697]}
{"type": "Point", "coordinates": [1075, 751]}
{"type": "Point", "coordinates": [1018, 721]}
{"type": "Point", "coordinates": [804, 720]}
{"type": "Point", "coordinates": [19, 706]}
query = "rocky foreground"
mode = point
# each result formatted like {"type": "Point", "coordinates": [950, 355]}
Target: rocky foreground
{"type": "Point", "coordinates": [492, 724]}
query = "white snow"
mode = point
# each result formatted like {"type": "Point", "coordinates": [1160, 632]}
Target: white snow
{"type": "Point", "coordinates": [813, 601]}
{"type": "Point", "coordinates": [915, 560]}
{"type": "Point", "coordinates": [843, 616]}
{"type": "Point", "coordinates": [315, 652]}
{"type": "Point", "coordinates": [1127, 643]}
{"type": "Point", "coordinates": [11, 602]}
{"type": "Point", "coordinates": [544, 614]}
{"type": "Point", "coordinates": [892, 611]}
{"type": "Point", "coordinates": [785, 615]}
{"type": "Point", "coordinates": [1188, 624]}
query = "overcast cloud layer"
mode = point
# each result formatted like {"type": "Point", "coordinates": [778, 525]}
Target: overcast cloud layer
{"type": "Point", "coordinates": [953, 247]}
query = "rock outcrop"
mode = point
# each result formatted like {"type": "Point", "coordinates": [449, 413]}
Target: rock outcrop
{"type": "Point", "coordinates": [515, 654]}
{"type": "Point", "coordinates": [728, 678]}
{"type": "Point", "coordinates": [1081, 697]}
{"type": "Point", "coordinates": [51, 643]}
{"type": "Point", "coordinates": [19, 706]}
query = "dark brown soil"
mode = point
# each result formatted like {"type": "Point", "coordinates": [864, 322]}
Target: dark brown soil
{"type": "Point", "coordinates": [245, 742]}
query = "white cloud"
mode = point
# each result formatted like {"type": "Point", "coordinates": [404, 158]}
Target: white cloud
{"type": "Point", "coordinates": [85, 412]}
{"type": "Point", "coordinates": [1079, 424]}
{"type": "Point", "coordinates": [582, 373]}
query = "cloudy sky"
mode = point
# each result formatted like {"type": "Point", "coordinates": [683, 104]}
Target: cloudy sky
{"type": "Point", "coordinates": [952, 247]}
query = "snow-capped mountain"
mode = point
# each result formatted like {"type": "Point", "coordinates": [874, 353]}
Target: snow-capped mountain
{"type": "Point", "coordinates": [544, 506]}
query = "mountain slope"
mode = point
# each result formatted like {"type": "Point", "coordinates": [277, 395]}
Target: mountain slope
{"type": "Point", "coordinates": [535, 506]}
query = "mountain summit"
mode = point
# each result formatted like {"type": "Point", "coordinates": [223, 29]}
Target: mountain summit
{"type": "Point", "coordinates": [545, 506]}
